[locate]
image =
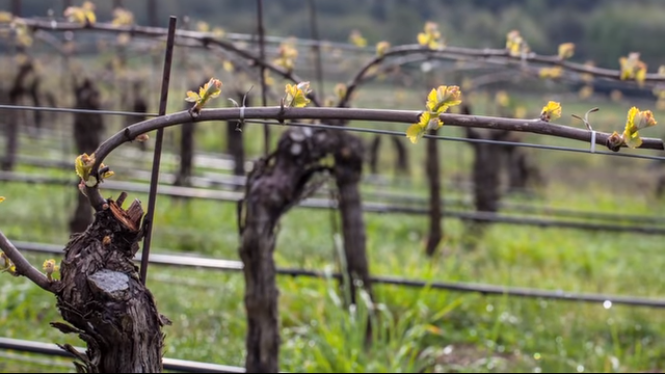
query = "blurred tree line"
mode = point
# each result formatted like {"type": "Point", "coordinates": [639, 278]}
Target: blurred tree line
{"type": "Point", "coordinates": [604, 30]}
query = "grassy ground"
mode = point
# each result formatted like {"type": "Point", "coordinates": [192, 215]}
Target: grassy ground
{"type": "Point", "coordinates": [417, 330]}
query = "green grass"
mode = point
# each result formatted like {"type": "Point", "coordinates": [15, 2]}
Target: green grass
{"type": "Point", "coordinates": [415, 330]}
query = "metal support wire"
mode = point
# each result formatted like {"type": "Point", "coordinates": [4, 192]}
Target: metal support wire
{"type": "Point", "coordinates": [168, 363]}
{"type": "Point", "coordinates": [368, 207]}
{"type": "Point", "coordinates": [484, 289]}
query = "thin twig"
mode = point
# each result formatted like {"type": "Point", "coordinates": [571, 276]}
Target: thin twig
{"type": "Point", "coordinates": [23, 267]}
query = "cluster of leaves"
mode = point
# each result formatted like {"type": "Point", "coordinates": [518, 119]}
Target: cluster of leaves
{"type": "Point", "coordinates": [22, 33]}
{"type": "Point", "coordinates": [516, 45]}
{"type": "Point", "coordinates": [382, 48]}
{"type": "Point", "coordinates": [83, 166]}
{"type": "Point", "coordinates": [85, 14]}
{"type": "Point", "coordinates": [296, 95]}
{"type": "Point", "coordinates": [357, 39]}
{"type": "Point", "coordinates": [216, 31]}
{"type": "Point", "coordinates": [431, 37]}
{"type": "Point", "coordinates": [438, 102]}
{"type": "Point", "coordinates": [633, 68]}
{"type": "Point", "coordinates": [635, 121]}
{"type": "Point", "coordinates": [212, 89]}
{"type": "Point", "coordinates": [287, 55]}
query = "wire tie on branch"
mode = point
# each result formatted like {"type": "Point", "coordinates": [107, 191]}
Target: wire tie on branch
{"type": "Point", "coordinates": [593, 141]}
{"type": "Point", "coordinates": [588, 126]}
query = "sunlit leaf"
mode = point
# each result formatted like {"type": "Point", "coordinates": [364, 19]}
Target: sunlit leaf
{"type": "Point", "coordinates": [357, 39]}
{"type": "Point", "coordinates": [566, 50]}
{"type": "Point", "coordinates": [551, 111]}
{"type": "Point", "coordinates": [296, 95]}
{"type": "Point", "coordinates": [122, 17]}
{"type": "Point", "coordinates": [431, 37]}
{"type": "Point", "coordinates": [192, 97]}
{"type": "Point", "coordinates": [415, 132]}
{"type": "Point", "coordinates": [382, 48]}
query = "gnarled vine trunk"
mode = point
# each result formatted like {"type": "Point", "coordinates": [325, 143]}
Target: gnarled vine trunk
{"type": "Point", "coordinates": [277, 183]}
{"type": "Point", "coordinates": [102, 299]}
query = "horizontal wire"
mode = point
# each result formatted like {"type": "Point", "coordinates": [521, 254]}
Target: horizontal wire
{"type": "Point", "coordinates": [82, 111]}
{"type": "Point", "coordinates": [179, 261]}
{"type": "Point", "coordinates": [355, 129]}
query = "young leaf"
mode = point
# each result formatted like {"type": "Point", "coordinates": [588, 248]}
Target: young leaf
{"type": "Point", "coordinates": [415, 132]}
{"type": "Point", "coordinates": [340, 90]}
{"type": "Point", "coordinates": [633, 68]}
{"type": "Point", "coordinates": [192, 97]}
{"type": "Point", "coordinates": [515, 44]}
{"type": "Point", "coordinates": [382, 48]}
{"type": "Point", "coordinates": [550, 111]}
{"type": "Point", "coordinates": [357, 39]}
{"type": "Point", "coordinates": [122, 17]}
{"type": "Point", "coordinates": [211, 90]}
{"type": "Point", "coordinates": [550, 73]}
{"type": "Point", "coordinates": [636, 120]}
{"type": "Point", "coordinates": [296, 95]}
{"type": "Point", "coordinates": [431, 38]}
{"type": "Point", "coordinates": [566, 50]}
{"type": "Point", "coordinates": [84, 14]}
{"type": "Point", "coordinates": [2, 198]}
{"type": "Point", "coordinates": [443, 97]}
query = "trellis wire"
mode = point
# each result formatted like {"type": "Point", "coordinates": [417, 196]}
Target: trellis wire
{"type": "Point", "coordinates": [168, 363]}
{"type": "Point", "coordinates": [379, 208]}
{"type": "Point", "coordinates": [484, 289]}
{"type": "Point", "coordinates": [361, 129]}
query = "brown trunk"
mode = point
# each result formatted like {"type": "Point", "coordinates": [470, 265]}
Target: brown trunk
{"type": "Point", "coordinates": [435, 204]}
{"type": "Point", "coordinates": [104, 301]}
{"type": "Point", "coordinates": [36, 101]}
{"type": "Point", "coordinates": [186, 154]}
{"type": "Point", "coordinates": [402, 161]}
{"type": "Point", "coordinates": [17, 91]}
{"type": "Point", "coordinates": [139, 106]}
{"type": "Point", "coordinates": [152, 12]}
{"type": "Point", "coordinates": [234, 140]}
{"type": "Point", "coordinates": [276, 184]}
{"type": "Point", "coordinates": [486, 168]}
{"type": "Point", "coordinates": [348, 173]}
{"type": "Point", "coordinates": [374, 155]}
{"type": "Point", "coordinates": [88, 130]}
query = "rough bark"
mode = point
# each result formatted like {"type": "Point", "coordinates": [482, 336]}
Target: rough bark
{"type": "Point", "coordinates": [88, 130]}
{"type": "Point", "coordinates": [435, 204]}
{"type": "Point", "coordinates": [102, 299]}
{"type": "Point", "coordinates": [276, 184]}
